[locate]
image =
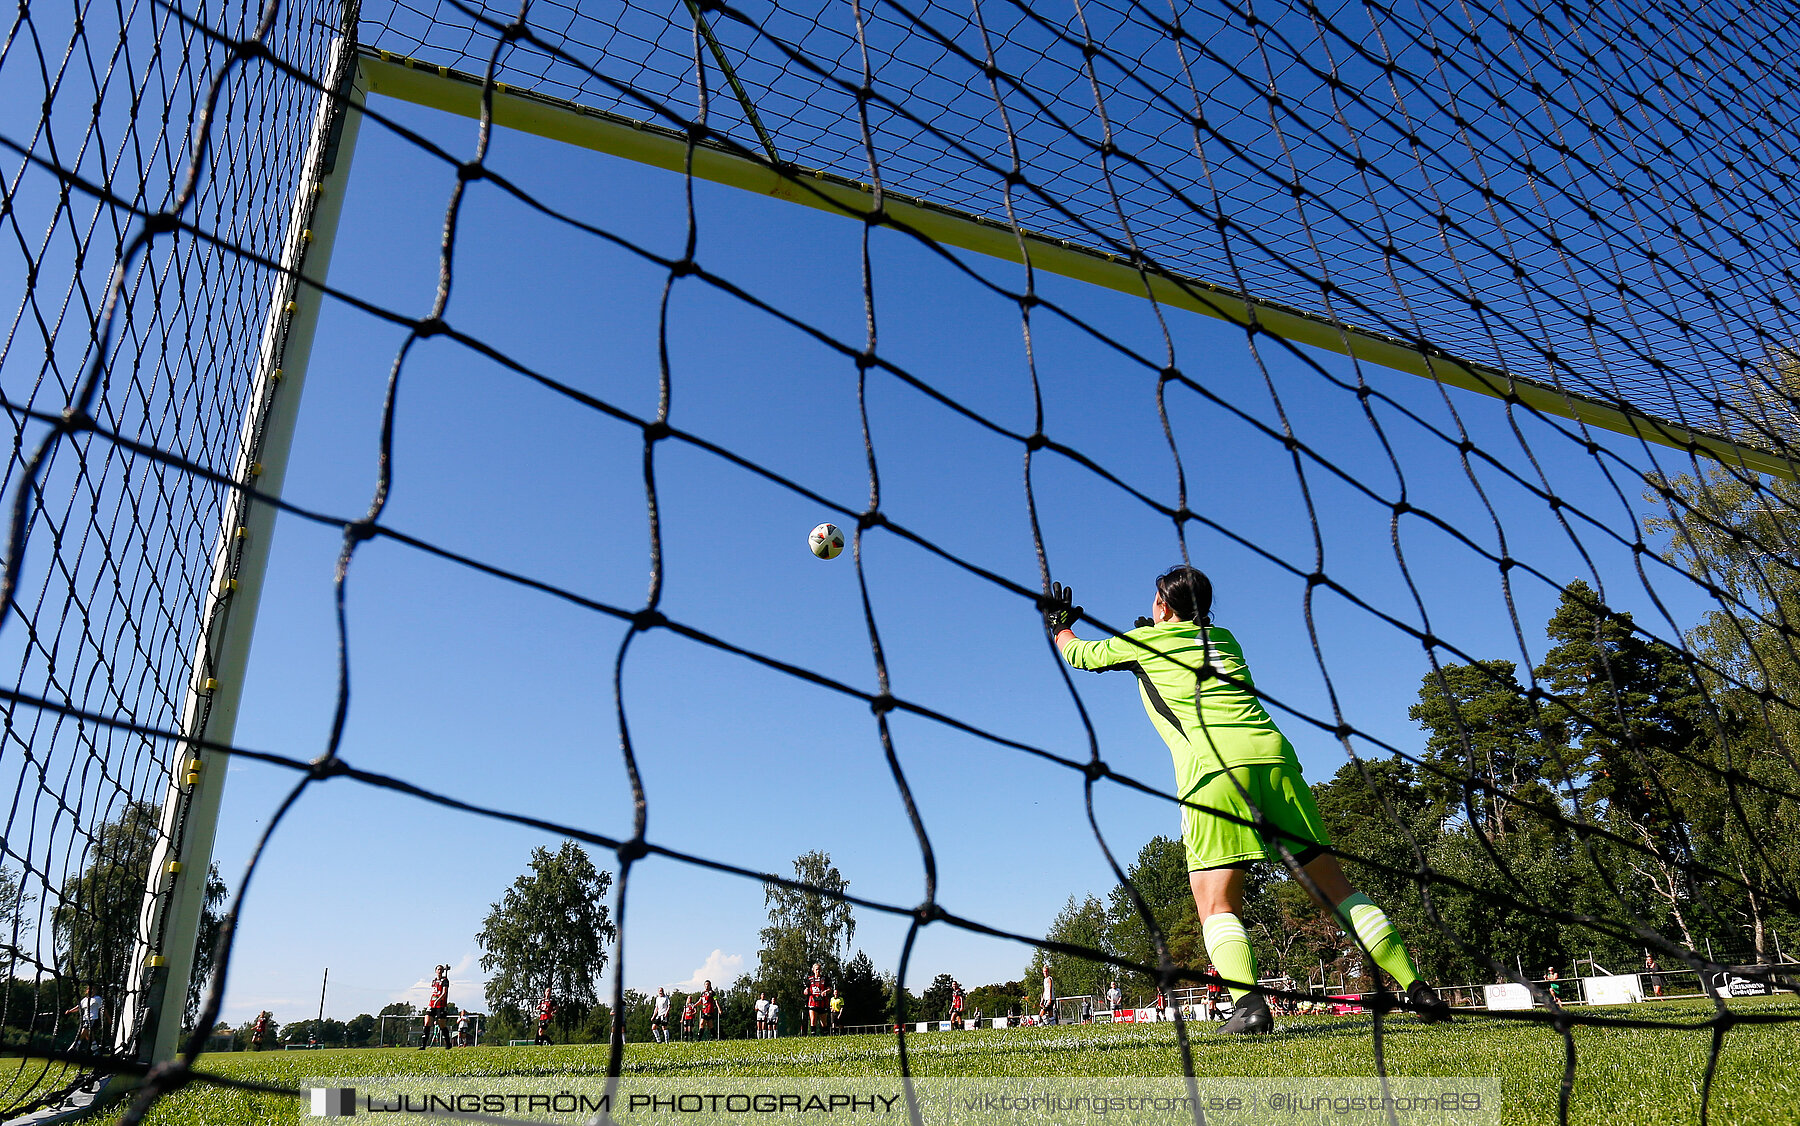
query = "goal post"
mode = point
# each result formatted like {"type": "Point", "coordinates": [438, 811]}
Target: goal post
{"type": "Point", "coordinates": [168, 931]}
{"type": "Point", "coordinates": [444, 88]}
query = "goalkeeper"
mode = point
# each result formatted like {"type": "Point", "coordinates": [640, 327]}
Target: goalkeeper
{"type": "Point", "coordinates": [1231, 758]}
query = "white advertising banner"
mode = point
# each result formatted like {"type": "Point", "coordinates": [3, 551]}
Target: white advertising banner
{"type": "Point", "coordinates": [1619, 989]}
{"type": "Point", "coordinates": [1508, 995]}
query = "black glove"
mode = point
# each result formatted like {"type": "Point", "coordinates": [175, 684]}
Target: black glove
{"type": "Point", "coordinates": [1060, 612]}
{"type": "Point", "coordinates": [1142, 622]}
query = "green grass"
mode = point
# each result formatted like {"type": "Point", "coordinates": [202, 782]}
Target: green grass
{"type": "Point", "coordinates": [1623, 1076]}
{"type": "Point", "coordinates": [23, 1079]}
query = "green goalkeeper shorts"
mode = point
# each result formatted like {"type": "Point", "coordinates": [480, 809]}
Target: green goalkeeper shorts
{"type": "Point", "coordinates": [1274, 788]}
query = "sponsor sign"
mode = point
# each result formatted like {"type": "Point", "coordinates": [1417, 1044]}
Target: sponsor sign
{"type": "Point", "coordinates": [1619, 989]}
{"type": "Point", "coordinates": [1507, 995]}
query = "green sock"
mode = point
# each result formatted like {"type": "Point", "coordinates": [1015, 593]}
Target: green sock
{"type": "Point", "coordinates": [1378, 936]}
{"type": "Point", "coordinates": [1228, 945]}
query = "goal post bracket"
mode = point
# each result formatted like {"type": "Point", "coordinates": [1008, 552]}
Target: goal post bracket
{"type": "Point", "coordinates": [452, 91]}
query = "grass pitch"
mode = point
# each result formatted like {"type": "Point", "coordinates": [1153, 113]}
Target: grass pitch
{"type": "Point", "coordinates": [1623, 1075]}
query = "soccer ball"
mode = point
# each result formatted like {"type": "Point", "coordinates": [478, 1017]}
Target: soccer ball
{"type": "Point", "coordinates": [826, 541]}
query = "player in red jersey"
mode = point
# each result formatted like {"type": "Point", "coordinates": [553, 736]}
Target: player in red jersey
{"type": "Point", "coordinates": [436, 1008]}
{"type": "Point", "coordinates": [546, 1013]}
{"type": "Point", "coordinates": [687, 1018]}
{"type": "Point", "coordinates": [709, 1011]}
{"type": "Point", "coordinates": [956, 1004]}
{"type": "Point", "coordinates": [816, 993]}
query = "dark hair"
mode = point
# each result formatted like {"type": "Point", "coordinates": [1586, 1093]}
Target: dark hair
{"type": "Point", "coordinates": [1187, 592]}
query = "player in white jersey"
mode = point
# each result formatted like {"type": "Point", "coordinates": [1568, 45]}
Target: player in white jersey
{"type": "Point", "coordinates": [659, 1016]}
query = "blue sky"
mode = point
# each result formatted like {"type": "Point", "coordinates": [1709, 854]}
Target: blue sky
{"type": "Point", "coordinates": [504, 697]}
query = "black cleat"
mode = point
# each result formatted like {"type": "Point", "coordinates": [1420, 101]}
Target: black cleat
{"type": "Point", "coordinates": [1424, 1000]}
{"type": "Point", "coordinates": [1250, 1017]}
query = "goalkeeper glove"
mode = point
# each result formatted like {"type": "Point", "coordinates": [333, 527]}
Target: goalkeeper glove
{"type": "Point", "coordinates": [1060, 612]}
{"type": "Point", "coordinates": [1142, 622]}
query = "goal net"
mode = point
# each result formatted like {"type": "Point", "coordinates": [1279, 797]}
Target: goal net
{"type": "Point", "coordinates": [407, 1030]}
{"type": "Point", "coordinates": [1457, 345]}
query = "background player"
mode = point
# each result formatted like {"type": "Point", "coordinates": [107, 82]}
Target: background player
{"type": "Point", "coordinates": [709, 1012]}
{"type": "Point", "coordinates": [816, 992]}
{"type": "Point", "coordinates": [1231, 758]}
{"type": "Point", "coordinates": [92, 1009]}
{"type": "Point", "coordinates": [659, 1016]}
{"type": "Point", "coordinates": [546, 1013]}
{"type": "Point", "coordinates": [434, 1010]}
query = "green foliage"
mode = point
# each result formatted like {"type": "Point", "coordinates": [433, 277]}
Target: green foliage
{"type": "Point", "coordinates": [637, 1009]}
{"type": "Point", "coordinates": [550, 930]}
{"type": "Point", "coordinates": [1161, 878]}
{"type": "Point", "coordinates": [934, 1003]}
{"type": "Point", "coordinates": [804, 927]}
{"type": "Point", "coordinates": [212, 919]}
{"type": "Point", "coordinates": [95, 917]}
{"type": "Point", "coordinates": [1000, 998]}
{"type": "Point", "coordinates": [1081, 922]}
{"type": "Point", "coordinates": [737, 1009]}
{"type": "Point", "coordinates": [358, 1032]}
{"type": "Point", "coordinates": [865, 995]}
{"type": "Point", "coordinates": [1483, 736]}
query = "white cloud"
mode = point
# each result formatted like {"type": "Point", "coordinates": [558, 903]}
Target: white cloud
{"type": "Point", "coordinates": [720, 968]}
{"type": "Point", "coordinates": [466, 986]}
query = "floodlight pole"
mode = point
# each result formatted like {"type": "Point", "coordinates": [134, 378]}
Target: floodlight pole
{"type": "Point", "coordinates": [168, 927]}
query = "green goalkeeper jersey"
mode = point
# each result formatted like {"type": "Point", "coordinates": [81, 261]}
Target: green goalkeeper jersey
{"type": "Point", "coordinates": [1208, 726]}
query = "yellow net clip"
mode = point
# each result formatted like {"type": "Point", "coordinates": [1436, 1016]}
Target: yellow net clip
{"type": "Point", "coordinates": [173, 868]}
{"type": "Point", "coordinates": [256, 469]}
{"type": "Point", "coordinates": [156, 961]}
